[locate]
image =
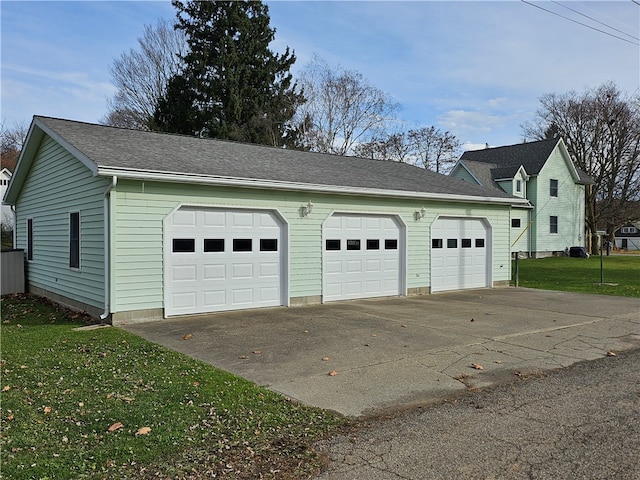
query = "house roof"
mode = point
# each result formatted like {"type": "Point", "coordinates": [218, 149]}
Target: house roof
{"type": "Point", "coordinates": [111, 151]}
{"type": "Point", "coordinates": [507, 160]}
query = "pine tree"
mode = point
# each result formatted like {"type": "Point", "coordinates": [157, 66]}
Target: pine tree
{"type": "Point", "coordinates": [232, 85]}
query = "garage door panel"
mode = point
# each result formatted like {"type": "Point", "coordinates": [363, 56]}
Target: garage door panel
{"type": "Point", "coordinates": [369, 271]}
{"type": "Point", "coordinates": [230, 267]}
{"type": "Point", "coordinates": [463, 260]}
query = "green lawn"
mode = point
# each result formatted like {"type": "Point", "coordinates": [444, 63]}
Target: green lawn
{"type": "Point", "coordinates": [106, 404]}
{"type": "Point", "coordinates": [582, 274]}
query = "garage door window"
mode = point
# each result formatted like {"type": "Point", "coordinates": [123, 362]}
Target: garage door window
{"type": "Point", "coordinates": [479, 242]}
{"type": "Point", "coordinates": [213, 245]}
{"type": "Point", "coordinates": [353, 244]}
{"type": "Point", "coordinates": [373, 244]}
{"type": "Point", "coordinates": [436, 243]}
{"type": "Point", "coordinates": [268, 245]}
{"type": "Point", "coordinates": [333, 244]}
{"type": "Point", "coordinates": [452, 243]}
{"type": "Point", "coordinates": [391, 244]}
{"type": "Point", "coordinates": [241, 244]}
{"type": "Point", "coordinates": [184, 245]}
{"type": "Point", "coordinates": [466, 243]}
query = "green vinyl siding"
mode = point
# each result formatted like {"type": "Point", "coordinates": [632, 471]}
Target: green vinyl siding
{"type": "Point", "coordinates": [140, 208]}
{"type": "Point", "coordinates": [57, 185]}
{"type": "Point", "coordinates": [568, 206]}
{"type": "Point", "coordinates": [463, 174]}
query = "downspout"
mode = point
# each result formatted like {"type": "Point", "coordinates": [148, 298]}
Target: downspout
{"type": "Point", "coordinates": [14, 225]}
{"type": "Point", "coordinates": [107, 250]}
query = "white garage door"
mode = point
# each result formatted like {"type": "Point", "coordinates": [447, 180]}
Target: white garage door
{"type": "Point", "coordinates": [222, 260]}
{"type": "Point", "coordinates": [361, 257]}
{"type": "Point", "coordinates": [460, 254]}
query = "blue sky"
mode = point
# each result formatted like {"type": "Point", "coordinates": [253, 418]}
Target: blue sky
{"type": "Point", "coordinates": [475, 68]}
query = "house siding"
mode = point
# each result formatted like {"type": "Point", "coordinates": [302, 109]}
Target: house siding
{"type": "Point", "coordinates": [463, 174]}
{"type": "Point", "coordinates": [59, 184]}
{"type": "Point", "coordinates": [139, 209]}
{"type": "Point", "coordinates": [568, 206]}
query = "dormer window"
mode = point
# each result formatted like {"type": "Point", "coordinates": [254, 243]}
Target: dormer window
{"type": "Point", "coordinates": [519, 186]}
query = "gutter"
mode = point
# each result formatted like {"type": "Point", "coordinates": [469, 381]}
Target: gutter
{"type": "Point", "coordinates": [107, 250]}
{"type": "Point", "coordinates": [131, 174]}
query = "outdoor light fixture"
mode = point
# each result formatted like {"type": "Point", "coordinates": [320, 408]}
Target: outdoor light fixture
{"type": "Point", "coordinates": [307, 209]}
{"type": "Point", "coordinates": [420, 213]}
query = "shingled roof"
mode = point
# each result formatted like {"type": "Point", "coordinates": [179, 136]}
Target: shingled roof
{"type": "Point", "coordinates": [137, 154]}
{"type": "Point", "coordinates": [505, 161]}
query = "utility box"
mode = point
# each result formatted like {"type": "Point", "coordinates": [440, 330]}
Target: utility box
{"type": "Point", "coordinates": [12, 266]}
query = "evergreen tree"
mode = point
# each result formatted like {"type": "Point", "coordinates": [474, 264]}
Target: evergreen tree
{"type": "Point", "coordinates": [232, 85]}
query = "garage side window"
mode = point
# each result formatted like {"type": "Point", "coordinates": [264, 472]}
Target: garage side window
{"type": "Point", "coordinates": [29, 239]}
{"type": "Point", "coordinates": [74, 240]}
{"type": "Point", "coordinates": [436, 243]}
{"type": "Point", "coordinates": [184, 245]}
{"type": "Point", "coordinates": [515, 223]}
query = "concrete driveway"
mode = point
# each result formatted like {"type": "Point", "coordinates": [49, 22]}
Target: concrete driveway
{"type": "Point", "coordinates": [395, 352]}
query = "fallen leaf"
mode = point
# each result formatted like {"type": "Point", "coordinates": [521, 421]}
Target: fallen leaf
{"type": "Point", "coordinates": [143, 431]}
{"type": "Point", "coordinates": [187, 336]}
{"type": "Point", "coordinates": [472, 320]}
{"type": "Point", "coordinates": [403, 326]}
{"type": "Point", "coordinates": [257, 352]}
{"type": "Point", "coordinates": [11, 417]}
{"type": "Point", "coordinates": [477, 366]}
{"type": "Point", "coordinates": [244, 357]}
{"type": "Point", "coordinates": [611, 354]}
{"type": "Point", "coordinates": [325, 359]}
{"type": "Point", "coordinates": [46, 409]}
{"type": "Point", "coordinates": [115, 426]}
{"type": "Point", "coordinates": [6, 388]}
{"type": "Point", "coordinates": [498, 361]}
{"type": "Point", "coordinates": [332, 373]}
{"type": "Point", "coordinates": [196, 384]}
{"type": "Point", "coordinates": [80, 404]}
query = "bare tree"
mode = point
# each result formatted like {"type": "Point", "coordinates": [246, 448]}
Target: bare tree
{"type": "Point", "coordinates": [341, 111]}
{"type": "Point", "coordinates": [426, 147]}
{"type": "Point", "coordinates": [601, 129]}
{"type": "Point", "coordinates": [11, 141]}
{"type": "Point", "coordinates": [141, 76]}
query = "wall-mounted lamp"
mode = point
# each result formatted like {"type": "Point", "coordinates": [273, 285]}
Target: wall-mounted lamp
{"type": "Point", "coordinates": [420, 213]}
{"type": "Point", "coordinates": [307, 209]}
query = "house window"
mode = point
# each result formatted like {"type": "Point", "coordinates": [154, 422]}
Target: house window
{"type": "Point", "coordinates": [553, 187]}
{"type": "Point", "coordinates": [519, 186]}
{"type": "Point", "coordinates": [74, 240]}
{"type": "Point", "coordinates": [515, 223]}
{"type": "Point", "coordinates": [629, 230]}
{"type": "Point", "coordinates": [29, 239]}
{"type": "Point", "coordinates": [553, 224]}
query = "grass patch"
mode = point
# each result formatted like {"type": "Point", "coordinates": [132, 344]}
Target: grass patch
{"type": "Point", "coordinates": [63, 389]}
{"type": "Point", "coordinates": [583, 274]}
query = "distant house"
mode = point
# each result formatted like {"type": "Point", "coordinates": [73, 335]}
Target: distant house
{"type": "Point", "coordinates": [628, 237]}
{"type": "Point", "coordinates": [133, 225]}
{"type": "Point", "coordinates": [543, 173]}
{"type": "Point", "coordinates": [7, 213]}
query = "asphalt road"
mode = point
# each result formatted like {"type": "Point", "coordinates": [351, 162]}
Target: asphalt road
{"type": "Point", "coordinates": [581, 422]}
